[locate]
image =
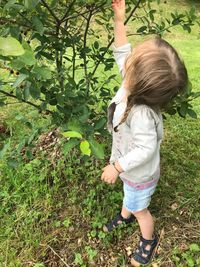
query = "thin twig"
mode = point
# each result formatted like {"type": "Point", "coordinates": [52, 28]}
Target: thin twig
{"type": "Point", "coordinates": [73, 61]}
{"type": "Point", "coordinates": [58, 256]}
{"type": "Point", "coordinates": [68, 10]}
{"type": "Point", "coordinates": [24, 17]}
{"type": "Point", "coordinates": [6, 20]}
{"type": "Point", "coordinates": [95, 9]}
{"type": "Point", "coordinates": [84, 47]}
{"type": "Point", "coordinates": [109, 44]}
{"type": "Point", "coordinates": [50, 11]}
{"type": "Point", "coordinates": [24, 101]}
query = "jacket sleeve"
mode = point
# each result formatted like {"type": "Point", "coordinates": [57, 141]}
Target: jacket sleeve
{"type": "Point", "coordinates": [120, 54]}
{"type": "Point", "coordinates": [113, 157]}
{"type": "Point", "coordinates": [144, 134]}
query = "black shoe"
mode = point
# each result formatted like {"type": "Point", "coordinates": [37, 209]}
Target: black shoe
{"type": "Point", "coordinates": [142, 255]}
{"type": "Point", "coordinates": [117, 221]}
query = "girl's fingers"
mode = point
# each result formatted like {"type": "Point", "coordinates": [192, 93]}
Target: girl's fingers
{"type": "Point", "coordinates": [104, 168]}
{"type": "Point", "coordinates": [115, 3]}
{"type": "Point", "coordinates": [107, 180]}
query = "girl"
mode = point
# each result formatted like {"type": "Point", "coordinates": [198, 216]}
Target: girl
{"type": "Point", "coordinates": [152, 75]}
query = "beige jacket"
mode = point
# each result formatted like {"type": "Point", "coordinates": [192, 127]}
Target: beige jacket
{"type": "Point", "coordinates": [136, 145]}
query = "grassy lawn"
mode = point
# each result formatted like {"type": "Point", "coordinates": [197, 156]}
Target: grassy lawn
{"type": "Point", "coordinates": [52, 213]}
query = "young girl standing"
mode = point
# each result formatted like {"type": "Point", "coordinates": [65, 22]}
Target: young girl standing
{"type": "Point", "coordinates": [152, 75]}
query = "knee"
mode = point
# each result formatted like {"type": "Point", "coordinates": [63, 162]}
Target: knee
{"type": "Point", "coordinates": [140, 214]}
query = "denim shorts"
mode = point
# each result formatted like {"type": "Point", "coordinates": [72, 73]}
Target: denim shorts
{"type": "Point", "coordinates": [137, 199]}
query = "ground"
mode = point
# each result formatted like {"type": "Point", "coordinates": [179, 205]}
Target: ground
{"type": "Point", "coordinates": [52, 213]}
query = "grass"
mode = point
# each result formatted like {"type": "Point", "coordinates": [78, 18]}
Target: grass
{"type": "Point", "coordinates": [52, 212]}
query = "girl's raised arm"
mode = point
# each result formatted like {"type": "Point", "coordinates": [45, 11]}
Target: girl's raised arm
{"type": "Point", "coordinates": [119, 27]}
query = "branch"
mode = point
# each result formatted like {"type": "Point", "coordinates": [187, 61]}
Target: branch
{"type": "Point", "coordinates": [84, 47]}
{"type": "Point", "coordinates": [64, 262]}
{"type": "Point", "coordinates": [50, 11]}
{"type": "Point", "coordinates": [59, 59]}
{"type": "Point", "coordinates": [6, 20]}
{"type": "Point", "coordinates": [73, 61]}
{"type": "Point", "coordinates": [24, 17]}
{"type": "Point", "coordinates": [24, 101]}
{"type": "Point", "coordinates": [68, 10]}
{"type": "Point", "coordinates": [111, 41]}
{"type": "Point", "coordinates": [95, 9]}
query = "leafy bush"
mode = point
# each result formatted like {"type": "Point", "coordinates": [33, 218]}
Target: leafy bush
{"type": "Point", "coordinates": [190, 257]}
{"type": "Point", "coordinates": [52, 57]}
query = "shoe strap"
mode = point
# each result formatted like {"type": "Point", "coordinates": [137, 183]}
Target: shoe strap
{"type": "Point", "coordinates": [142, 249]}
{"type": "Point", "coordinates": [146, 241]}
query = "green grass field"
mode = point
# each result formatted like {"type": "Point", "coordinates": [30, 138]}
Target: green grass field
{"type": "Point", "coordinates": [52, 213]}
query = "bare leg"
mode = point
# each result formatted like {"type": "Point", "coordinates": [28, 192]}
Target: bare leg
{"type": "Point", "coordinates": [146, 223]}
{"type": "Point", "coordinates": [125, 213]}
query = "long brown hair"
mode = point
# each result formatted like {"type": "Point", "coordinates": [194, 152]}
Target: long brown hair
{"type": "Point", "coordinates": [154, 75]}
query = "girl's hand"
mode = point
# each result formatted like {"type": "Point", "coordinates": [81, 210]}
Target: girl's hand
{"type": "Point", "coordinates": [119, 9]}
{"type": "Point", "coordinates": [109, 174]}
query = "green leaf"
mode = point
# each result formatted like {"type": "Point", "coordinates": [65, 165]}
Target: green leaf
{"type": "Point", "coordinates": [19, 80]}
{"type": "Point", "coordinates": [171, 111]}
{"type": "Point", "coordinates": [42, 73]}
{"type": "Point", "coordinates": [151, 14]}
{"type": "Point", "coordinates": [186, 27]}
{"type": "Point", "coordinates": [100, 123]}
{"type": "Point", "coordinates": [176, 21]}
{"type": "Point", "coordinates": [85, 148]}
{"type": "Point", "coordinates": [78, 259]}
{"type": "Point", "coordinates": [183, 109]}
{"type": "Point", "coordinates": [9, 4]}
{"type": "Point", "coordinates": [195, 95]}
{"type": "Point", "coordinates": [1, 103]}
{"type": "Point", "coordinates": [26, 93]}
{"type": "Point", "coordinates": [67, 222]}
{"type": "Point", "coordinates": [18, 93]}
{"type": "Point", "coordinates": [97, 149]}
{"type": "Point", "coordinates": [86, 113]}
{"type": "Point", "coordinates": [67, 147]}
{"type": "Point", "coordinates": [190, 262]}
{"type": "Point", "coordinates": [194, 248]}
{"type": "Point", "coordinates": [142, 29]}
{"type": "Point", "coordinates": [38, 25]}
{"type": "Point", "coordinates": [16, 64]}
{"type": "Point", "coordinates": [27, 58]}
{"type": "Point", "coordinates": [34, 91]}
{"type": "Point", "coordinates": [96, 45]}
{"type": "Point", "coordinates": [32, 136]}
{"type": "Point", "coordinates": [10, 46]}
{"type": "Point", "coordinates": [4, 150]}
{"type": "Point", "coordinates": [192, 113]}
{"type": "Point", "coordinates": [75, 125]}
{"type": "Point", "coordinates": [54, 3]}
{"type": "Point", "coordinates": [72, 134]}
{"type": "Point", "coordinates": [12, 4]}
{"type": "Point", "coordinates": [30, 4]}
